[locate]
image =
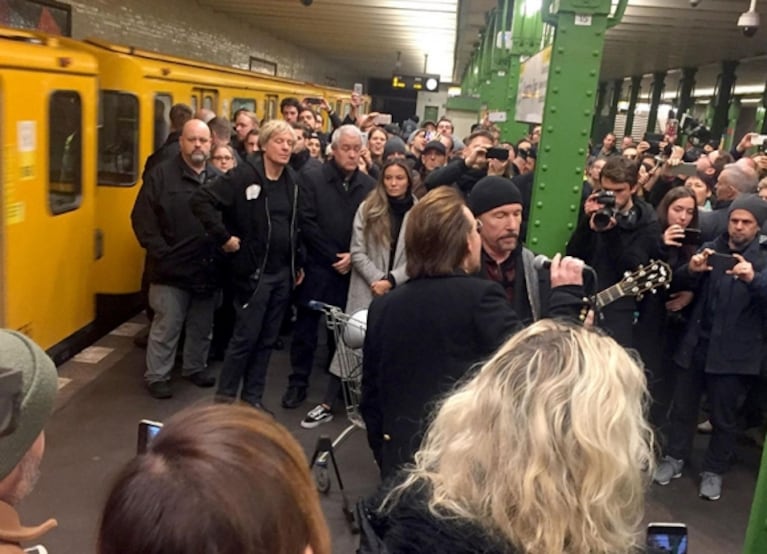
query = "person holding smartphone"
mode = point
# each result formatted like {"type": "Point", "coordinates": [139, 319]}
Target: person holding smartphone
{"type": "Point", "coordinates": [723, 343]}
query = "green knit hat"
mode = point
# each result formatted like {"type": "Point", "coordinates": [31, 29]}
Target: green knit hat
{"type": "Point", "coordinates": [38, 392]}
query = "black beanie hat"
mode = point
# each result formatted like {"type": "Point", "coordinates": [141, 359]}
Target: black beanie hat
{"type": "Point", "coordinates": [751, 203]}
{"type": "Point", "coordinates": [394, 145]}
{"type": "Point", "coordinates": [491, 192]}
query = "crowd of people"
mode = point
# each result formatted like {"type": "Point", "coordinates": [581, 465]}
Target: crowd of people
{"type": "Point", "coordinates": [506, 411]}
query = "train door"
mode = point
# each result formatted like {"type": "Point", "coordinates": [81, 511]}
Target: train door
{"type": "Point", "coordinates": [49, 211]}
{"type": "Point", "coordinates": [270, 106]}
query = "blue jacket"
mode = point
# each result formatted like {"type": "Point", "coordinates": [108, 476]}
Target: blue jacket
{"type": "Point", "coordinates": [737, 333]}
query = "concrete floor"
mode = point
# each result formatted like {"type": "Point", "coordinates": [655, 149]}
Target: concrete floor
{"type": "Point", "coordinates": [92, 434]}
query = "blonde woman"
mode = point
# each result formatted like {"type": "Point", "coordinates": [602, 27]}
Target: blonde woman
{"type": "Point", "coordinates": [545, 450]}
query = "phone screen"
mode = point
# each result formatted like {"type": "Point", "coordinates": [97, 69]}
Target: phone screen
{"type": "Point", "coordinates": [667, 538]}
{"type": "Point", "coordinates": [692, 236]}
{"type": "Point", "coordinates": [147, 431]}
{"type": "Point", "coordinates": [722, 262]}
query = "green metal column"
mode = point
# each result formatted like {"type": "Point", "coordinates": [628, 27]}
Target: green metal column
{"type": "Point", "coordinates": [616, 98]}
{"type": "Point", "coordinates": [733, 115]}
{"type": "Point", "coordinates": [686, 88]}
{"type": "Point", "coordinates": [636, 88]}
{"type": "Point", "coordinates": [569, 107]}
{"type": "Point", "coordinates": [723, 98]}
{"type": "Point", "coordinates": [756, 533]}
{"type": "Point", "coordinates": [761, 115]}
{"type": "Point", "coordinates": [658, 84]}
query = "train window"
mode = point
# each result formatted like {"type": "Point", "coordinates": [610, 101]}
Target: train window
{"type": "Point", "coordinates": [162, 105]}
{"type": "Point", "coordinates": [271, 106]}
{"type": "Point", "coordinates": [243, 104]}
{"type": "Point", "coordinates": [118, 138]}
{"type": "Point", "coordinates": [65, 148]}
{"type": "Point", "coordinates": [207, 102]}
{"type": "Point", "coordinates": [193, 103]}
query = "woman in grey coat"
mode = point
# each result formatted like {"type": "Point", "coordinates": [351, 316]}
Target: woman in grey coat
{"type": "Point", "coordinates": [378, 258]}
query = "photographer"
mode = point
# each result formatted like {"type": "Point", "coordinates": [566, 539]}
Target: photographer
{"type": "Point", "coordinates": [618, 233]}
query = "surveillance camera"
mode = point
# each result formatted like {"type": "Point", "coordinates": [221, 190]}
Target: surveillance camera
{"type": "Point", "coordinates": [694, 3]}
{"type": "Point", "coordinates": [748, 22]}
{"type": "Point", "coordinates": [307, 2]}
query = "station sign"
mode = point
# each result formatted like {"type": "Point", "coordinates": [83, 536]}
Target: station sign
{"type": "Point", "coordinates": [416, 82]}
{"type": "Point", "coordinates": [531, 94]}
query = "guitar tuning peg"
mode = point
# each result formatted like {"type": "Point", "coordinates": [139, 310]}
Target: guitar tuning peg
{"type": "Point", "coordinates": [640, 297]}
{"type": "Point", "coordinates": [654, 291]}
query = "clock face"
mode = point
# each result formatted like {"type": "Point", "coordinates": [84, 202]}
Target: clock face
{"type": "Point", "coordinates": [431, 83]}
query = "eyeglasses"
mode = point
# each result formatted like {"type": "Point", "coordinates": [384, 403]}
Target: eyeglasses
{"type": "Point", "coordinates": [223, 158]}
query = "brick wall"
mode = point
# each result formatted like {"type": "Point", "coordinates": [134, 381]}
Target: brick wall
{"type": "Point", "coordinates": [183, 28]}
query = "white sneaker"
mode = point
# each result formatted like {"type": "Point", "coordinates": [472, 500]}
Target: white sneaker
{"type": "Point", "coordinates": [316, 417]}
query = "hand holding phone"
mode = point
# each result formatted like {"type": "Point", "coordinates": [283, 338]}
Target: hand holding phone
{"type": "Point", "coordinates": [720, 263]}
{"type": "Point", "coordinates": [497, 154]}
{"type": "Point", "coordinates": [692, 236]}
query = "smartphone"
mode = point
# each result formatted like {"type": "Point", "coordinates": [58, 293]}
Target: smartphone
{"type": "Point", "coordinates": [147, 431]}
{"type": "Point", "coordinates": [313, 101]}
{"type": "Point", "coordinates": [497, 154]}
{"type": "Point", "coordinates": [692, 236]}
{"type": "Point", "coordinates": [382, 119]}
{"type": "Point", "coordinates": [364, 140]}
{"type": "Point", "coordinates": [722, 262]}
{"type": "Point", "coordinates": [667, 537]}
{"type": "Point", "coordinates": [758, 140]}
{"type": "Point", "coordinates": [358, 88]}
{"type": "Point", "coordinates": [687, 169]}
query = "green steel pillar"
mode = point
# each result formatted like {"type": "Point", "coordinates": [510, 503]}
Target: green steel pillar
{"type": "Point", "coordinates": [617, 94]}
{"type": "Point", "coordinates": [568, 110]}
{"type": "Point", "coordinates": [686, 88]}
{"type": "Point", "coordinates": [658, 84]}
{"type": "Point", "coordinates": [723, 98]}
{"type": "Point", "coordinates": [733, 115]}
{"type": "Point", "coordinates": [756, 533]}
{"type": "Point", "coordinates": [636, 88]}
{"type": "Point", "coordinates": [761, 115]}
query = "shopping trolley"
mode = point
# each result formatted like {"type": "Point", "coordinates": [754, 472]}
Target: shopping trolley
{"type": "Point", "coordinates": [348, 332]}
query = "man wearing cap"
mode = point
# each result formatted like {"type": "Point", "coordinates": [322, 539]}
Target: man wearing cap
{"type": "Point", "coordinates": [23, 443]}
{"type": "Point", "coordinates": [433, 157]}
{"type": "Point", "coordinates": [497, 204]}
{"type": "Point", "coordinates": [724, 343]}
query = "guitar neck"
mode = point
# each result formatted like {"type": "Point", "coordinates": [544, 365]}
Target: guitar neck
{"type": "Point", "coordinates": [608, 296]}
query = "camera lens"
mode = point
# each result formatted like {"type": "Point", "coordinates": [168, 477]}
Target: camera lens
{"type": "Point", "coordinates": [601, 218]}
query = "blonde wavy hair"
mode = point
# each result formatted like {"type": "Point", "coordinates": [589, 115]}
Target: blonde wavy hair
{"type": "Point", "coordinates": [375, 211]}
{"type": "Point", "coordinates": [546, 448]}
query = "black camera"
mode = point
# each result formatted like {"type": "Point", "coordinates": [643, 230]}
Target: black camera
{"type": "Point", "coordinates": [10, 399]}
{"type": "Point", "coordinates": [697, 133]}
{"type": "Point", "coordinates": [601, 218]}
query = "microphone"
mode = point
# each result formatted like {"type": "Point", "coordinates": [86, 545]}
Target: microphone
{"type": "Point", "coordinates": [542, 261]}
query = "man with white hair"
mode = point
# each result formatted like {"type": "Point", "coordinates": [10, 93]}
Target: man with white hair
{"type": "Point", "coordinates": [734, 181]}
{"type": "Point", "coordinates": [329, 198]}
{"type": "Point", "coordinates": [27, 390]}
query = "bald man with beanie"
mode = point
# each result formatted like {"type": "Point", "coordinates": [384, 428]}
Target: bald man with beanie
{"type": "Point", "coordinates": [497, 204]}
{"type": "Point", "coordinates": [723, 344]}
{"type": "Point", "coordinates": [22, 441]}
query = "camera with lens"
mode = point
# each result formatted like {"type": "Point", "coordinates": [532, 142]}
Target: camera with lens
{"type": "Point", "coordinates": [697, 133]}
{"type": "Point", "coordinates": [10, 399]}
{"type": "Point", "coordinates": [601, 218]}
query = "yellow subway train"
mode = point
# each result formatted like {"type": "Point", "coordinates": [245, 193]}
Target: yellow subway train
{"type": "Point", "coordinates": [77, 121]}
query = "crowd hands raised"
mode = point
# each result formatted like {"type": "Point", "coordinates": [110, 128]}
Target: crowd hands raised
{"type": "Point", "coordinates": [427, 232]}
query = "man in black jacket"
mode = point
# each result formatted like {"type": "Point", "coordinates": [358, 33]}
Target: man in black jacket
{"type": "Point", "coordinates": [733, 181]}
{"type": "Point", "coordinates": [425, 335]}
{"type": "Point", "coordinates": [259, 202]}
{"type": "Point", "coordinates": [463, 173]}
{"type": "Point", "coordinates": [330, 196]}
{"type": "Point", "coordinates": [183, 273]}
{"type": "Point", "coordinates": [724, 343]}
{"type": "Point", "coordinates": [617, 239]}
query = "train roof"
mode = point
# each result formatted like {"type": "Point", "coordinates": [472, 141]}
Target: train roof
{"type": "Point", "coordinates": [32, 50]}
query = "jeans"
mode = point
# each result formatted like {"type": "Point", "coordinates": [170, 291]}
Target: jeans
{"type": "Point", "coordinates": [256, 328]}
{"type": "Point", "coordinates": [176, 309]}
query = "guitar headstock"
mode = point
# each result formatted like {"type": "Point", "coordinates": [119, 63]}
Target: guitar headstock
{"type": "Point", "coordinates": [646, 278]}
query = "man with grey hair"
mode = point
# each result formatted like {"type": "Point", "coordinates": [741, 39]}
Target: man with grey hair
{"type": "Point", "coordinates": [27, 391]}
{"type": "Point", "coordinates": [330, 196]}
{"type": "Point", "coordinates": [251, 214]}
{"type": "Point", "coordinates": [734, 181]}
{"type": "Point", "coordinates": [183, 262]}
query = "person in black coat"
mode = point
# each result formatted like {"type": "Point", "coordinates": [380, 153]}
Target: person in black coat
{"type": "Point", "coordinates": [259, 203]}
{"type": "Point", "coordinates": [329, 198]}
{"type": "Point", "coordinates": [463, 173]}
{"type": "Point", "coordinates": [626, 239]}
{"type": "Point", "coordinates": [424, 336]}
{"type": "Point", "coordinates": [723, 344]}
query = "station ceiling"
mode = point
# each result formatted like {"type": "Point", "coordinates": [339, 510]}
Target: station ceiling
{"type": "Point", "coordinates": [379, 37]}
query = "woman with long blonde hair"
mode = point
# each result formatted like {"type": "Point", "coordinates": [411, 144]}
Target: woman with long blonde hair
{"type": "Point", "coordinates": [545, 450]}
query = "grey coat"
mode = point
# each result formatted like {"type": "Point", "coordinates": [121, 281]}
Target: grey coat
{"type": "Point", "coordinates": [370, 263]}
